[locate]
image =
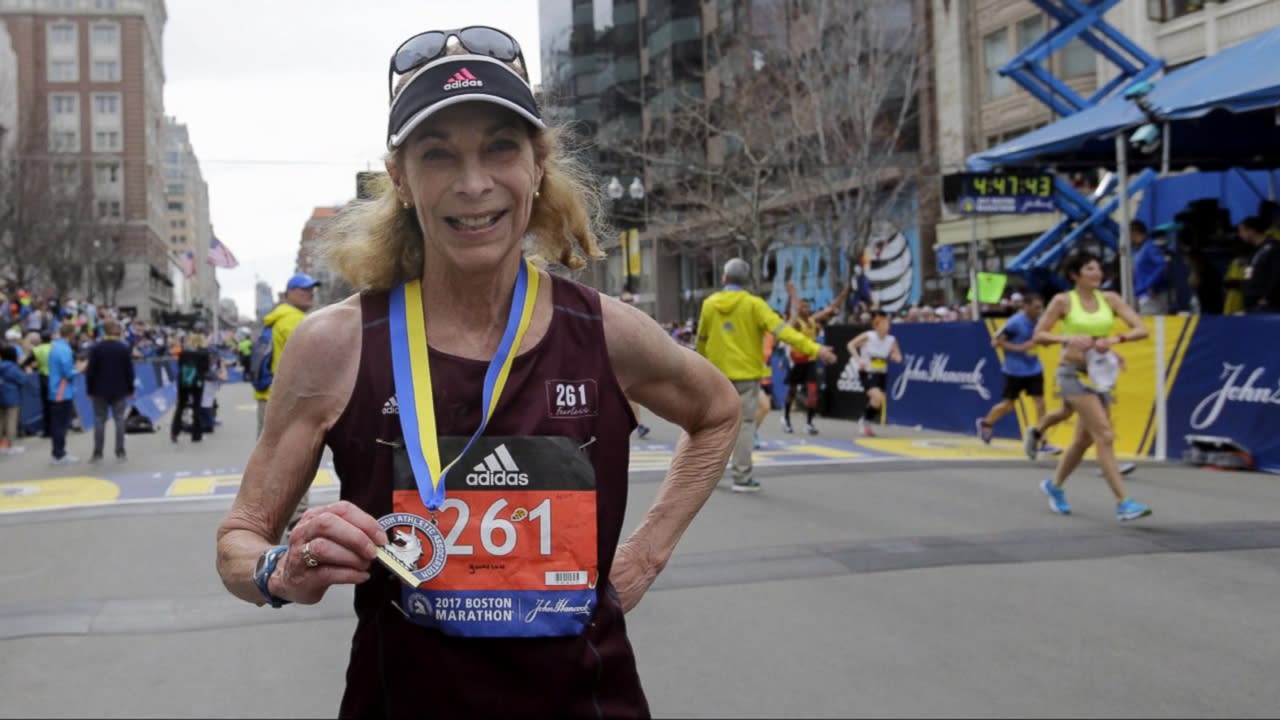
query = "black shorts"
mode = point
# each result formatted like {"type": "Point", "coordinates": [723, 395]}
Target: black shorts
{"type": "Point", "coordinates": [802, 373]}
{"type": "Point", "coordinates": [873, 380]}
{"type": "Point", "coordinates": [1015, 385]}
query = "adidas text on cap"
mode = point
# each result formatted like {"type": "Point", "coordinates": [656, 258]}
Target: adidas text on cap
{"type": "Point", "coordinates": [456, 79]}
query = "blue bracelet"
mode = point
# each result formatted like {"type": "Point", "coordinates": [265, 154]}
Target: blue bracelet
{"type": "Point", "coordinates": [268, 565]}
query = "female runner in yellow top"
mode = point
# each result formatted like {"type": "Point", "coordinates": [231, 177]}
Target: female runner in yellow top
{"type": "Point", "coordinates": [1087, 373]}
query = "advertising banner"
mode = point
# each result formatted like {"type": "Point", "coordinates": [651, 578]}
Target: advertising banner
{"type": "Point", "coordinates": [1228, 385]}
{"type": "Point", "coordinates": [845, 397]}
{"type": "Point", "coordinates": [949, 377]}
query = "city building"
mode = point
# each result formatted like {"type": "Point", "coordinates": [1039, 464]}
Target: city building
{"type": "Point", "coordinates": [264, 299]}
{"type": "Point", "coordinates": [696, 129]}
{"type": "Point", "coordinates": [332, 287]}
{"type": "Point", "coordinates": [88, 156]}
{"type": "Point", "coordinates": [978, 108]}
{"type": "Point", "coordinates": [186, 197]}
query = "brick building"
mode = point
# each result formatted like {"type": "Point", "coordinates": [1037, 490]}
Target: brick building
{"type": "Point", "coordinates": [89, 127]}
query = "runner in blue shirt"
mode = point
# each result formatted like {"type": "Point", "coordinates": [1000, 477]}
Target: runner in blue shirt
{"type": "Point", "coordinates": [1022, 369]}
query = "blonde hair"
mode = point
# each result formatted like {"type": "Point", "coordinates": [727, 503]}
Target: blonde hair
{"type": "Point", "coordinates": [196, 341]}
{"type": "Point", "coordinates": [377, 244]}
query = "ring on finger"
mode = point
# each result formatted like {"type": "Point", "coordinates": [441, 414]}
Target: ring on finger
{"type": "Point", "coordinates": [306, 555]}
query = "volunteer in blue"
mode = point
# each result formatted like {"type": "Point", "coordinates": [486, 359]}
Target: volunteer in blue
{"type": "Point", "coordinates": [478, 420]}
{"type": "Point", "coordinates": [1087, 373]}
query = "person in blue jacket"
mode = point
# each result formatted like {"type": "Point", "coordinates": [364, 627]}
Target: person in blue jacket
{"type": "Point", "coordinates": [11, 381]}
{"type": "Point", "coordinates": [62, 373]}
{"type": "Point", "coordinates": [1150, 272]}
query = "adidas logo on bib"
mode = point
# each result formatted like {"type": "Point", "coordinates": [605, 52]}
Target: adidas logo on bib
{"type": "Point", "coordinates": [391, 406]}
{"type": "Point", "coordinates": [497, 468]}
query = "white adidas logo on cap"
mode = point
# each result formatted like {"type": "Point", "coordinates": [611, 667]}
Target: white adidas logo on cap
{"type": "Point", "coordinates": [497, 468]}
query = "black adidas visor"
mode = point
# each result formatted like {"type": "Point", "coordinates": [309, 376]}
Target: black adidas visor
{"type": "Point", "coordinates": [457, 79]}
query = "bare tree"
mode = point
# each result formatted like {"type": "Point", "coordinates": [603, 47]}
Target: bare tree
{"type": "Point", "coordinates": [806, 113]}
{"type": "Point", "coordinates": [48, 217]}
{"type": "Point", "coordinates": [857, 69]}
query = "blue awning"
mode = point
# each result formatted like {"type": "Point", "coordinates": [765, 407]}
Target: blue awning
{"type": "Point", "coordinates": [1221, 110]}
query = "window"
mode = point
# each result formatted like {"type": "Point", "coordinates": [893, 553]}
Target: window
{"type": "Point", "coordinates": [106, 103]}
{"type": "Point", "coordinates": [171, 158]}
{"type": "Point", "coordinates": [1078, 59]}
{"type": "Point", "coordinates": [1165, 10]}
{"type": "Point", "coordinates": [106, 140]}
{"type": "Point", "coordinates": [995, 54]}
{"type": "Point", "coordinates": [62, 35]}
{"type": "Point", "coordinates": [175, 239]}
{"type": "Point", "coordinates": [1029, 31]}
{"type": "Point", "coordinates": [66, 174]}
{"type": "Point", "coordinates": [106, 37]}
{"type": "Point", "coordinates": [63, 71]}
{"type": "Point", "coordinates": [175, 206]}
{"type": "Point", "coordinates": [106, 174]}
{"type": "Point", "coordinates": [64, 141]}
{"type": "Point", "coordinates": [108, 209]}
{"type": "Point", "coordinates": [63, 104]}
{"type": "Point", "coordinates": [105, 71]}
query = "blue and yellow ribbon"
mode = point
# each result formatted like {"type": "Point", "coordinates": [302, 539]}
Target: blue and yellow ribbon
{"type": "Point", "coordinates": [412, 373]}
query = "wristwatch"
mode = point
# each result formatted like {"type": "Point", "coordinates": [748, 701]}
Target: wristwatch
{"type": "Point", "coordinates": [262, 573]}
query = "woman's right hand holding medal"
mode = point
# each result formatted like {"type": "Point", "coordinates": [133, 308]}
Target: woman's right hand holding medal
{"type": "Point", "coordinates": [330, 545]}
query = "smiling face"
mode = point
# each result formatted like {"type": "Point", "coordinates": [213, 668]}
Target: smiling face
{"type": "Point", "coordinates": [1089, 276]}
{"type": "Point", "coordinates": [470, 174]}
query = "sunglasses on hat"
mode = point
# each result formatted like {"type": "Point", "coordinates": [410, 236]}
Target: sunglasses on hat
{"type": "Point", "coordinates": [427, 46]}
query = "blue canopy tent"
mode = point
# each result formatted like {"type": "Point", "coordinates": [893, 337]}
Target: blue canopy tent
{"type": "Point", "coordinates": [1217, 113]}
{"type": "Point", "coordinates": [1221, 113]}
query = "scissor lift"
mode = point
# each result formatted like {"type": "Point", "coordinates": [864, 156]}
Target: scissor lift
{"type": "Point", "coordinates": [1077, 19]}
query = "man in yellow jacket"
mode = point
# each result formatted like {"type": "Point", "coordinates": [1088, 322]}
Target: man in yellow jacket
{"type": "Point", "coordinates": [730, 334]}
{"type": "Point", "coordinates": [299, 297]}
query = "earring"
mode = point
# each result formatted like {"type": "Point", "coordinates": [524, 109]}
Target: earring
{"type": "Point", "coordinates": [537, 194]}
{"type": "Point", "coordinates": [406, 205]}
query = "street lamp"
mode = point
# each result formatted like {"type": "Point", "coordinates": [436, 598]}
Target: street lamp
{"type": "Point", "coordinates": [629, 240]}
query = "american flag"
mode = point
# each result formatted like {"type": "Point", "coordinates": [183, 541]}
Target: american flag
{"type": "Point", "coordinates": [220, 255]}
{"type": "Point", "coordinates": [187, 261]}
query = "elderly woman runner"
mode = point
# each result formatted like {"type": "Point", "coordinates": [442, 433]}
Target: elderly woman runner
{"type": "Point", "coordinates": [476, 407]}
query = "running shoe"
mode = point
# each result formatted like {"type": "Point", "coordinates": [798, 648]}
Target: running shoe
{"type": "Point", "coordinates": [1029, 442]}
{"type": "Point", "coordinates": [749, 486]}
{"type": "Point", "coordinates": [809, 429]}
{"type": "Point", "coordinates": [755, 441]}
{"type": "Point", "coordinates": [65, 460]}
{"type": "Point", "coordinates": [865, 429]}
{"type": "Point", "coordinates": [642, 430]}
{"type": "Point", "coordinates": [984, 430]}
{"type": "Point", "coordinates": [1048, 449]}
{"type": "Point", "coordinates": [1125, 468]}
{"type": "Point", "coordinates": [1131, 510]}
{"type": "Point", "coordinates": [786, 426]}
{"type": "Point", "coordinates": [1057, 497]}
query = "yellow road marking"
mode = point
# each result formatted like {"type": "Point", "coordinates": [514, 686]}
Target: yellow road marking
{"type": "Point", "coordinates": [35, 494]}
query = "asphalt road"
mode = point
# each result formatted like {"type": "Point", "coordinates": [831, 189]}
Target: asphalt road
{"type": "Point", "coordinates": [873, 587]}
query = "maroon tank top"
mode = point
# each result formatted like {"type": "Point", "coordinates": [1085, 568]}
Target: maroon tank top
{"type": "Point", "coordinates": [400, 669]}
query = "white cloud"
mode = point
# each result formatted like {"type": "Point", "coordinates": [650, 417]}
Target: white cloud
{"type": "Point", "coordinates": [286, 100]}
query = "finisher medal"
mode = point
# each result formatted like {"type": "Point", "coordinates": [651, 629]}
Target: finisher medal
{"type": "Point", "coordinates": [405, 555]}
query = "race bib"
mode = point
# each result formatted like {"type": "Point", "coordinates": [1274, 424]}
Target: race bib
{"type": "Point", "coordinates": [879, 364]}
{"type": "Point", "coordinates": [1103, 369]}
{"type": "Point", "coordinates": [513, 549]}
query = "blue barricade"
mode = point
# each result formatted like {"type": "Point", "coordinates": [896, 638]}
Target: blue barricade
{"type": "Point", "coordinates": [1228, 385]}
{"type": "Point", "coordinates": [949, 376]}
